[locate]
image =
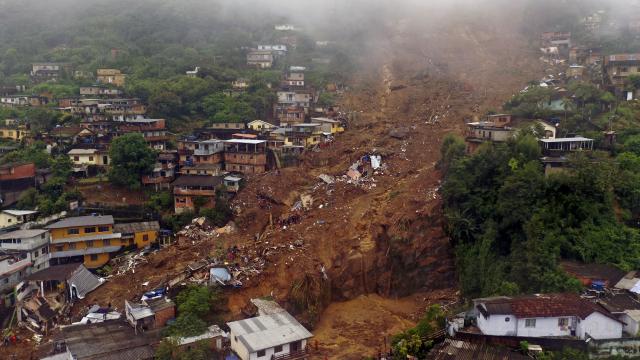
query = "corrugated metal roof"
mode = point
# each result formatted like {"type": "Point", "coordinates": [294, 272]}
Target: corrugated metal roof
{"type": "Point", "coordinates": [83, 281]}
{"type": "Point", "coordinates": [22, 234]}
{"type": "Point", "coordinates": [130, 228]}
{"type": "Point", "coordinates": [19, 212]}
{"type": "Point", "coordinates": [267, 331]}
{"type": "Point", "coordinates": [109, 340]}
{"type": "Point", "coordinates": [461, 350]}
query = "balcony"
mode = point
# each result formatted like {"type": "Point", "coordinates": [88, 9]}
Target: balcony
{"type": "Point", "coordinates": [296, 355]}
{"type": "Point", "coordinates": [194, 192]}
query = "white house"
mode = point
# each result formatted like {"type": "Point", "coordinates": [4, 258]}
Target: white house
{"type": "Point", "coordinates": [35, 242]}
{"type": "Point", "coordinates": [89, 157]}
{"type": "Point", "coordinates": [547, 315]}
{"type": "Point", "coordinates": [268, 335]}
{"type": "Point", "coordinates": [15, 217]}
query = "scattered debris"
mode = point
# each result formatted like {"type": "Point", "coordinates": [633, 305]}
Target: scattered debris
{"type": "Point", "coordinates": [327, 178]}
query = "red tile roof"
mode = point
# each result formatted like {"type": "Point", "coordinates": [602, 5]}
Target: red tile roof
{"type": "Point", "coordinates": [545, 305]}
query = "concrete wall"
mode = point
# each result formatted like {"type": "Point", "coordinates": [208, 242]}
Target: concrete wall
{"type": "Point", "coordinates": [544, 327]}
{"type": "Point", "coordinates": [631, 326]}
{"type": "Point", "coordinates": [599, 326]}
{"type": "Point", "coordinates": [497, 325]}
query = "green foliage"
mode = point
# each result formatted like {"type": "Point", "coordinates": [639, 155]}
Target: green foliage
{"type": "Point", "coordinates": [31, 154]}
{"type": "Point", "coordinates": [131, 158]}
{"type": "Point", "coordinates": [529, 104]}
{"type": "Point", "coordinates": [511, 224]}
{"type": "Point", "coordinates": [412, 342]}
{"type": "Point", "coordinates": [57, 90]}
{"type": "Point", "coordinates": [194, 304]}
{"type": "Point", "coordinates": [169, 349]}
{"type": "Point", "coordinates": [452, 149]}
{"type": "Point", "coordinates": [566, 354]}
{"type": "Point", "coordinates": [160, 202]}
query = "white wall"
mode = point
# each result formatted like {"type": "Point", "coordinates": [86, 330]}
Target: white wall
{"type": "Point", "coordinates": [497, 325]}
{"type": "Point", "coordinates": [631, 326]}
{"type": "Point", "coordinates": [238, 347]}
{"type": "Point", "coordinates": [599, 326]}
{"type": "Point", "coordinates": [544, 327]}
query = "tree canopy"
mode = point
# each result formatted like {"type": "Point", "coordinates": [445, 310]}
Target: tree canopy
{"type": "Point", "coordinates": [131, 158]}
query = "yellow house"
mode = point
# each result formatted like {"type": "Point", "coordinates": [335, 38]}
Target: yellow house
{"type": "Point", "coordinates": [87, 239]}
{"type": "Point", "coordinates": [142, 234]}
{"type": "Point", "coordinates": [261, 126]}
{"type": "Point", "coordinates": [329, 125]}
{"type": "Point", "coordinates": [15, 217]}
{"type": "Point", "coordinates": [111, 76]}
{"type": "Point", "coordinates": [14, 133]}
{"type": "Point", "coordinates": [82, 157]}
{"type": "Point", "coordinates": [303, 135]}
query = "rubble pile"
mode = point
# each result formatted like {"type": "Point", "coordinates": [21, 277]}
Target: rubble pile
{"type": "Point", "coordinates": [127, 263]}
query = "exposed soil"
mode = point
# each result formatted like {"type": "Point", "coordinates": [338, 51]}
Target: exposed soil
{"type": "Point", "coordinates": [382, 244]}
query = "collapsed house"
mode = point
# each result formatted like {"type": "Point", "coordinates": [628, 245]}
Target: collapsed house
{"type": "Point", "coordinates": [47, 295]}
{"type": "Point", "coordinates": [150, 314]}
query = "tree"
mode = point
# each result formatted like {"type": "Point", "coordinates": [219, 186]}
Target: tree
{"type": "Point", "coordinates": [61, 167]}
{"type": "Point", "coordinates": [131, 158]}
{"type": "Point", "coordinates": [169, 349]}
{"type": "Point", "coordinates": [194, 304]}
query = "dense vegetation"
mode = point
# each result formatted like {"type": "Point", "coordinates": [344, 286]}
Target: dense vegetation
{"type": "Point", "coordinates": [511, 224]}
{"type": "Point", "coordinates": [155, 43]}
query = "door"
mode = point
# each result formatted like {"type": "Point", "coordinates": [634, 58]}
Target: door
{"type": "Point", "coordinates": [294, 347]}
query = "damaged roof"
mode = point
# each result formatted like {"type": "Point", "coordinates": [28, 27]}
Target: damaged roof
{"type": "Point", "coordinates": [57, 272]}
{"type": "Point", "coordinates": [83, 281]}
{"type": "Point", "coordinates": [608, 273]}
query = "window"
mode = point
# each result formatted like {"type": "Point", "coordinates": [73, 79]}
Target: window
{"type": "Point", "coordinates": [261, 353]}
{"type": "Point", "coordinates": [45, 250]}
{"type": "Point", "coordinates": [530, 323]}
{"type": "Point", "coordinates": [563, 322]}
{"type": "Point", "coordinates": [507, 319]}
{"type": "Point", "coordinates": [145, 237]}
{"type": "Point", "coordinates": [76, 158]}
{"type": "Point", "coordinates": [59, 248]}
{"type": "Point", "coordinates": [9, 220]}
{"type": "Point", "coordinates": [36, 254]}
{"type": "Point", "coordinates": [94, 257]}
{"type": "Point", "coordinates": [277, 349]}
{"type": "Point", "coordinates": [73, 231]}
{"type": "Point", "coordinates": [103, 228]}
{"type": "Point", "coordinates": [90, 229]}
{"type": "Point", "coordinates": [90, 158]}
{"type": "Point", "coordinates": [72, 246]}
{"type": "Point", "coordinates": [106, 242]}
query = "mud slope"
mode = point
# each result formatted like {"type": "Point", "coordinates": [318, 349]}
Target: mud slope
{"type": "Point", "coordinates": [383, 240]}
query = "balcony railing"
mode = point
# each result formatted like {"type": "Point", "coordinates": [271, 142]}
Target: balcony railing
{"type": "Point", "coordinates": [193, 192]}
{"type": "Point", "coordinates": [296, 355]}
